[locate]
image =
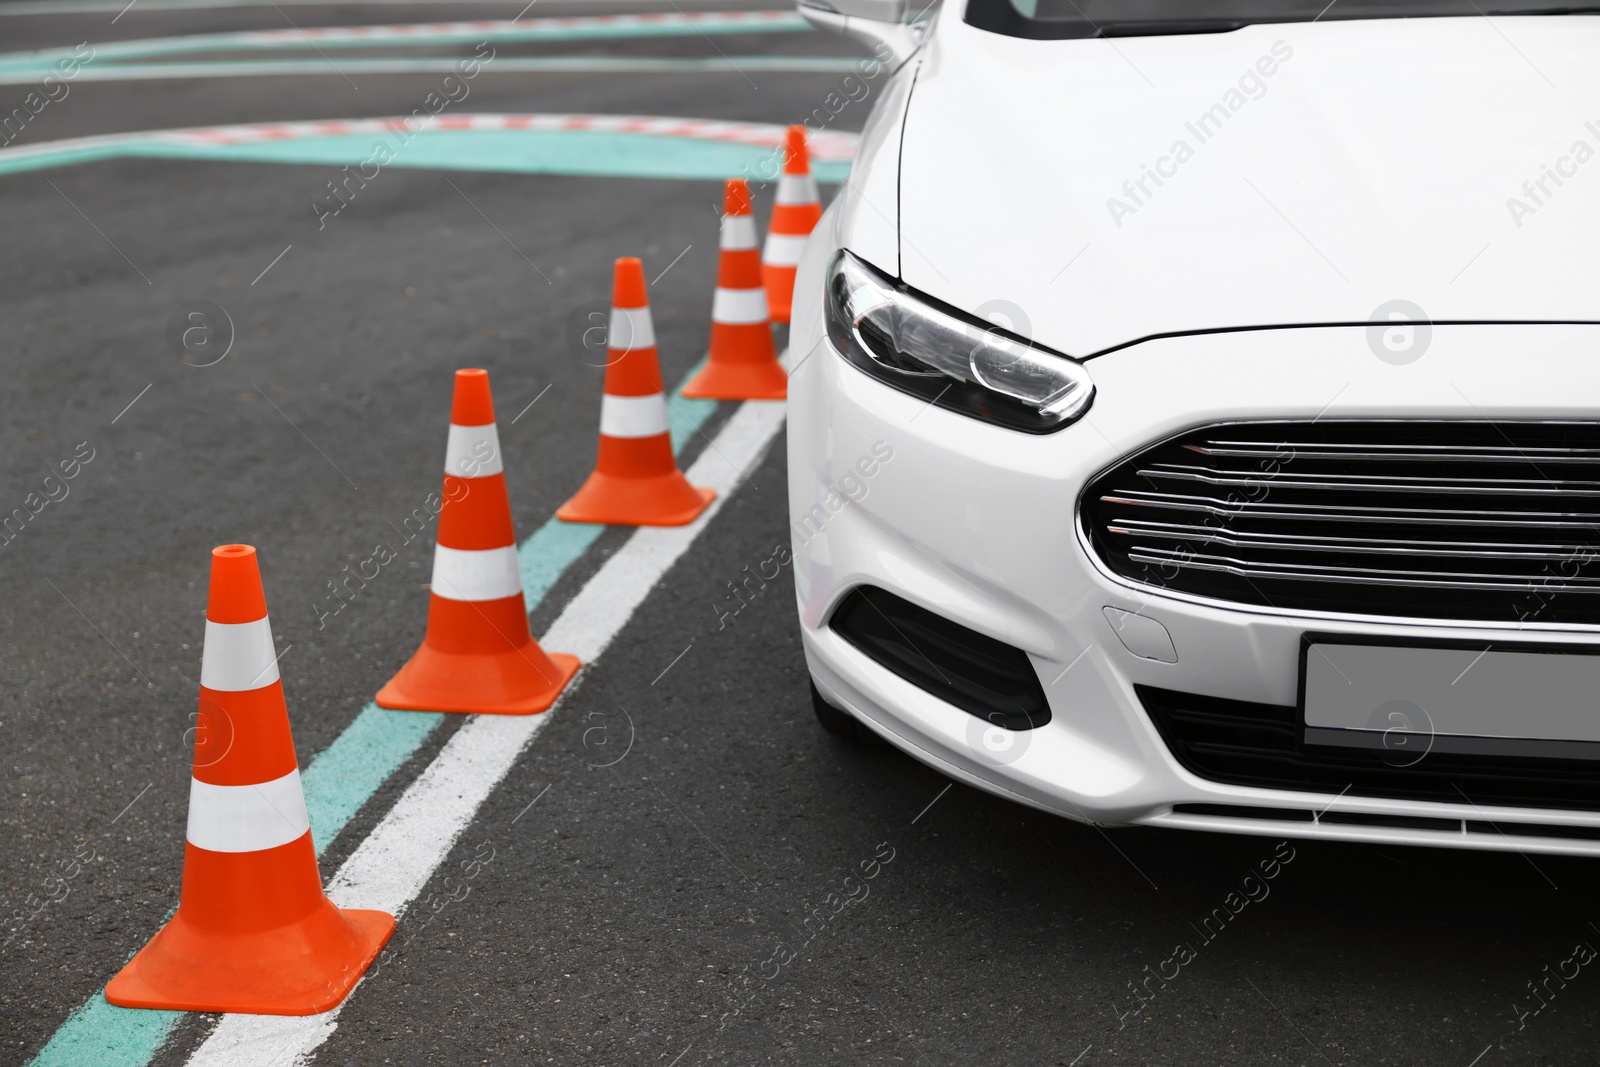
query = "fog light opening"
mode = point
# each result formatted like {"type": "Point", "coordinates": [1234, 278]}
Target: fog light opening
{"type": "Point", "coordinates": [980, 675]}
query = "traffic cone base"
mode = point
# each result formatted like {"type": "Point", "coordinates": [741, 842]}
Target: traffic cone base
{"type": "Point", "coordinates": [215, 963]}
{"type": "Point", "coordinates": [738, 382]}
{"type": "Point", "coordinates": [481, 683]}
{"type": "Point", "coordinates": [738, 378]}
{"type": "Point", "coordinates": [662, 500]}
{"type": "Point", "coordinates": [479, 658]}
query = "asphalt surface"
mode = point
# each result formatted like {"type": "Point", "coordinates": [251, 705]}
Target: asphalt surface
{"type": "Point", "coordinates": [704, 897]}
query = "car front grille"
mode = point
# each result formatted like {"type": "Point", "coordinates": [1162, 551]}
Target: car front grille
{"type": "Point", "coordinates": [1474, 520]}
{"type": "Point", "coordinates": [1240, 743]}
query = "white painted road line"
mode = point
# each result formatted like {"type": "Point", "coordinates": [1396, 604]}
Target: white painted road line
{"type": "Point", "coordinates": [390, 868]}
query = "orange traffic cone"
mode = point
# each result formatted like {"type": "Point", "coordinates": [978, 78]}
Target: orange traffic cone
{"type": "Point", "coordinates": [253, 932]}
{"type": "Point", "coordinates": [743, 364]}
{"type": "Point", "coordinates": [478, 655]}
{"type": "Point", "coordinates": [636, 481]}
{"type": "Point", "coordinates": [795, 213]}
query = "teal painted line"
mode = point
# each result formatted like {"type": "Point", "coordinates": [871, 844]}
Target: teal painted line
{"type": "Point", "coordinates": [732, 65]}
{"type": "Point", "coordinates": [64, 157]}
{"type": "Point", "coordinates": [583, 153]}
{"type": "Point", "coordinates": [553, 548]}
{"type": "Point", "coordinates": [343, 776]}
{"type": "Point", "coordinates": [339, 781]}
{"type": "Point", "coordinates": [708, 24]}
{"type": "Point", "coordinates": [685, 416]}
{"type": "Point", "coordinates": [106, 1036]}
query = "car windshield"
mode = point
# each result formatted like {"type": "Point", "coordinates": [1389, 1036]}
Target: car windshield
{"type": "Point", "coordinates": [1140, 18]}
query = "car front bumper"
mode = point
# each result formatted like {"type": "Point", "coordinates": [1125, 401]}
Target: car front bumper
{"type": "Point", "coordinates": [981, 525]}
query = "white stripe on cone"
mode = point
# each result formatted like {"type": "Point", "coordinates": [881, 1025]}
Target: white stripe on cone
{"type": "Point", "coordinates": [738, 232]}
{"type": "Point", "coordinates": [783, 250]}
{"type": "Point", "coordinates": [476, 574]}
{"type": "Point", "coordinates": [472, 451]}
{"type": "Point", "coordinates": [739, 307]}
{"type": "Point", "coordinates": [631, 328]}
{"type": "Point", "coordinates": [797, 189]}
{"type": "Point", "coordinates": [633, 416]}
{"type": "Point", "coordinates": [238, 656]}
{"type": "Point", "coordinates": [247, 818]}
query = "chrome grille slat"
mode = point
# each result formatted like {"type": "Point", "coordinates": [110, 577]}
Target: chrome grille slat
{"type": "Point", "coordinates": [1466, 520]}
{"type": "Point", "coordinates": [1410, 579]}
{"type": "Point", "coordinates": [1343, 483]}
{"type": "Point", "coordinates": [1470, 453]}
{"type": "Point", "coordinates": [1318, 543]}
{"type": "Point", "coordinates": [1529, 520]}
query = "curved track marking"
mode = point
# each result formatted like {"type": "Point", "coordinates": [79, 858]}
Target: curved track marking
{"type": "Point", "coordinates": [582, 145]}
{"type": "Point", "coordinates": [575, 28]}
{"type": "Point", "coordinates": [82, 7]}
{"type": "Point", "coordinates": [254, 68]}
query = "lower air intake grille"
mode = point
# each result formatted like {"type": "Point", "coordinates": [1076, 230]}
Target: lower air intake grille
{"type": "Point", "coordinates": [1496, 522]}
{"type": "Point", "coordinates": [1240, 743]}
{"type": "Point", "coordinates": [988, 678]}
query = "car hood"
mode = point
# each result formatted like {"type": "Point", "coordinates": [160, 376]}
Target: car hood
{"type": "Point", "coordinates": [1381, 165]}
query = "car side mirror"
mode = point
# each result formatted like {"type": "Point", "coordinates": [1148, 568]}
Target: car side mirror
{"type": "Point", "coordinates": [880, 24]}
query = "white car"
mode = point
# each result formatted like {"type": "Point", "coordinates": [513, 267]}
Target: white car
{"type": "Point", "coordinates": [1195, 414]}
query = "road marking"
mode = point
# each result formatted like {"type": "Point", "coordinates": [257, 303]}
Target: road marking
{"type": "Point", "coordinates": [417, 35]}
{"type": "Point", "coordinates": [393, 865]}
{"type": "Point", "coordinates": [634, 146]}
{"type": "Point", "coordinates": [78, 7]}
{"type": "Point", "coordinates": [266, 68]}
{"type": "Point", "coordinates": [338, 783]}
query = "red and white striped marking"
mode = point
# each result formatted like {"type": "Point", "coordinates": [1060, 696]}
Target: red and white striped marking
{"type": "Point", "coordinates": [531, 27]}
{"type": "Point", "coordinates": [831, 146]}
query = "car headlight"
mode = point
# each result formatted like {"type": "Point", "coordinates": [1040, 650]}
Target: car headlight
{"type": "Point", "coordinates": [960, 364]}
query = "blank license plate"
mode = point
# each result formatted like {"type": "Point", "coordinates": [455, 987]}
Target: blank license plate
{"type": "Point", "coordinates": [1406, 701]}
